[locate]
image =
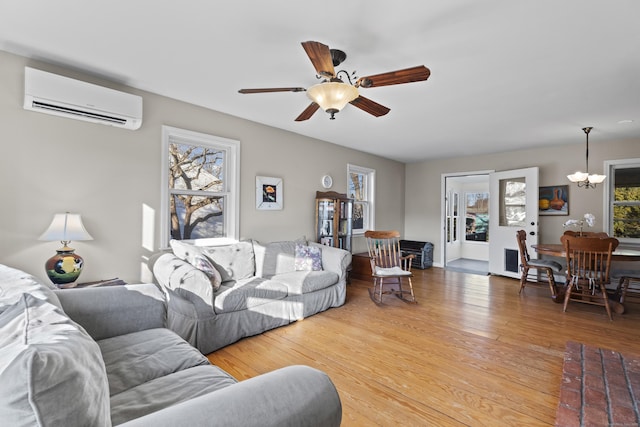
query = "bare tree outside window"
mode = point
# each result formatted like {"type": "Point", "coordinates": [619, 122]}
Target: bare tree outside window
{"type": "Point", "coordinates": [196, 179]}
{"type": "Point", "coordinates": [200, 176]}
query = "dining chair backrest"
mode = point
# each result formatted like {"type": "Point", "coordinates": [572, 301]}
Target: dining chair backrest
{"type": "Point", "coordinates": [521, 236]}
{"type": "Point", "coordinates": [588, 258]}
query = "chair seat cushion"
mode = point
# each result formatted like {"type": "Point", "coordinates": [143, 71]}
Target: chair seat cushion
{"type": "Point", "coordinates": [392, 271]}
{"type": "Point", "coordinates": [619, 273]}
{"type": "Point", "coordinates": [546, 263]}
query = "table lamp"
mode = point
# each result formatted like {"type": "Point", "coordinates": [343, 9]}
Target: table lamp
{"type": "Point", "coordinates": [65, 266]}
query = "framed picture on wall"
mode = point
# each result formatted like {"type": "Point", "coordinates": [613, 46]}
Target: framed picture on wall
{"type": "Point", "coordinates": [268, 193]}
{"type": "Point", "coordinates": [553, 200]}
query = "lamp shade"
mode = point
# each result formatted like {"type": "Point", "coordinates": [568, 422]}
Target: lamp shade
{"type": "Point", "coordinates": [332, 96]}
{"type": "Point", "coordinates": [596, 179]}
{"type": "Point", "coordinates": [578, 177]}
{"type": "Point", "coordinates": [66, 227]}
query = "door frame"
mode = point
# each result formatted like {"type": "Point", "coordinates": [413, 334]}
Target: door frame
{"type": "Point", "coordinates": [443, 202]}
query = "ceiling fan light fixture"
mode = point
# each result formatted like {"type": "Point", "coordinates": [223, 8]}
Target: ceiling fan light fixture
{"type": "Point", "coordinates": [332, 96]}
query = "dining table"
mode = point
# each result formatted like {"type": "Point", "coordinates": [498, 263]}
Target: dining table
{"type": "Point", "coordinates": [558, 250]}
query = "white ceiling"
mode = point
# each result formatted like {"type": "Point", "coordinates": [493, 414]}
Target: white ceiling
{"type": "Point", "coordinates": [505, 74]}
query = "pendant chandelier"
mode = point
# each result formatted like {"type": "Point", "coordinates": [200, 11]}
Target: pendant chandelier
{"type": "Point", "coordinates": [584, 179]}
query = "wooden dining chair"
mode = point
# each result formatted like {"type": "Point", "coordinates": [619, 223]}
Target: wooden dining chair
{"type": "Point", "coordinates": [588, 268]}
{"type": "Point", "coordinates": [628, 285]}
{"type": "Point", "coordinates": [549, 267]}
{"type": "Point", "coordinates": [388, 266]}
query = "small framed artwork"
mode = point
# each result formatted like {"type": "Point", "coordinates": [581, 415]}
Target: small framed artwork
{"type": "Point", "coordinates": [553, 200]}
{"type": "Point", "coordinates": [268, 193]}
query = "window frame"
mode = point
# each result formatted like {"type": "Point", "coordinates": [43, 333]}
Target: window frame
{"type": "Point", "coordinates": [230, 193]}
{"type": "Point", "coordinates": [369, 192]}
{"type": "Point", "coordinates": [610, 167]}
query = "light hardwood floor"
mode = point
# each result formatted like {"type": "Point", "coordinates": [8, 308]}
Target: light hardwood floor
{"type": "Point", "coordinates": [472, 352]}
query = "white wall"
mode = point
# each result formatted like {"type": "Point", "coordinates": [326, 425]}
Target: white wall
{"type": "Point", "coordinates": [112, 177]}
{"type": "Point", "coordinates": [422, 220]}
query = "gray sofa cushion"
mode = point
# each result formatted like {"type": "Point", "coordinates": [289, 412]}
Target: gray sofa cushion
{"type": "Point", "coordinates": [52, 372]}
{"type": "Point", "coordinates": [167, 391]}
{"type": "Point", "coordinates": [234, 262]}
{"type": "Point", "coordinates": [138, 357]}
{"type": "Point", "coordinates": [302, 282]}
{"type": "Point", "coordinates": [14, 282]}
{"type": "Point", "coordinates": [248, 293]}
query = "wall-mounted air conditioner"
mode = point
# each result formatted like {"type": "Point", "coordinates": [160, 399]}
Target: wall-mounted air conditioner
{"type": "Point", "coordinates": [53, 94]}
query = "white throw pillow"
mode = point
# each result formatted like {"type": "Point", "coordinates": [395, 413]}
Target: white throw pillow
{"type": "Point", "coordinates": [308, 258]}
{"type": "Point", "coordinates": [195, 256]}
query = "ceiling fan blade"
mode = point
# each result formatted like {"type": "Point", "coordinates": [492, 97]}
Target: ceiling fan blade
{"type": "Point", "coordinates": [320, 57]}
{"type": "Point", "coordinates": [308, 112]}
{"type": "Point", "coordinates": [371, 107]}
{"type": "Point", "coordinates": [273, 89]}
{"type": "Point", "coordinates": [408, 75]}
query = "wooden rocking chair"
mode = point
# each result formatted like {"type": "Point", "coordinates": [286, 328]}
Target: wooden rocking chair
{"type": "Point", "coordinates": [388, 265]}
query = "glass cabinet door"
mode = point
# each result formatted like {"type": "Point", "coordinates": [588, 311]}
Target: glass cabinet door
{"type": "Point", "coordinates": [334, 215]}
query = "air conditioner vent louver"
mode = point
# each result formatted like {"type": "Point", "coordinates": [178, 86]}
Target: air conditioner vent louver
{"type": "Point", "coordinates": [61, 96]}
{"type": "Point", "coordinates": [61, 109]}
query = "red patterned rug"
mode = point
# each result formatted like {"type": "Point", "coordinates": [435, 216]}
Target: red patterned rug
{"type": "Point", "coordinates": [599, 388]}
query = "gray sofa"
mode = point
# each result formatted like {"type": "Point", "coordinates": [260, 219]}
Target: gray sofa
{"type": "Point", "coordinates": [102, 357]}
{"type": "Point", "coordinates": [220, 294]}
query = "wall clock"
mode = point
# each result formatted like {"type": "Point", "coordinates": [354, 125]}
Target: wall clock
{"type": "Point", "coordinates": [327, 181]}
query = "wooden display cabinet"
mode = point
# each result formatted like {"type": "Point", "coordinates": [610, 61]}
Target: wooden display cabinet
{"type": "Point", "coordinates": [334, 219]}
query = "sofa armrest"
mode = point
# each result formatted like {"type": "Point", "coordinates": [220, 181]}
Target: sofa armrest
{"type": "Point", "coordinates": [294, 396]}
{"type": "Point", "coordinates": [334, 259]}
{"type": "Point", "coordinates": [190, 283]}
{"type": "Point", "coordinates": [115, 310]}
{"type": "Point", "coordinates": [188, 293]}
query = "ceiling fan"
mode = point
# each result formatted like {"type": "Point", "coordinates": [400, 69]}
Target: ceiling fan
{"type": "Point", "coordinates": [333, 93]}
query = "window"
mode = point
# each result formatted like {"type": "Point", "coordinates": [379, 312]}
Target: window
{"type": "Point", "coordinates": [622, 196]}
{"type": "Point", "coordinates": [360, 187]}
{"type": "Point", "coordinates": [477, 217]}
{"type": "Point", "coordinates": [512, 202]}
{"type": "Point", "coordinates": [452, 217]}
{"type": "Point", "coordinates": [199, 186]}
